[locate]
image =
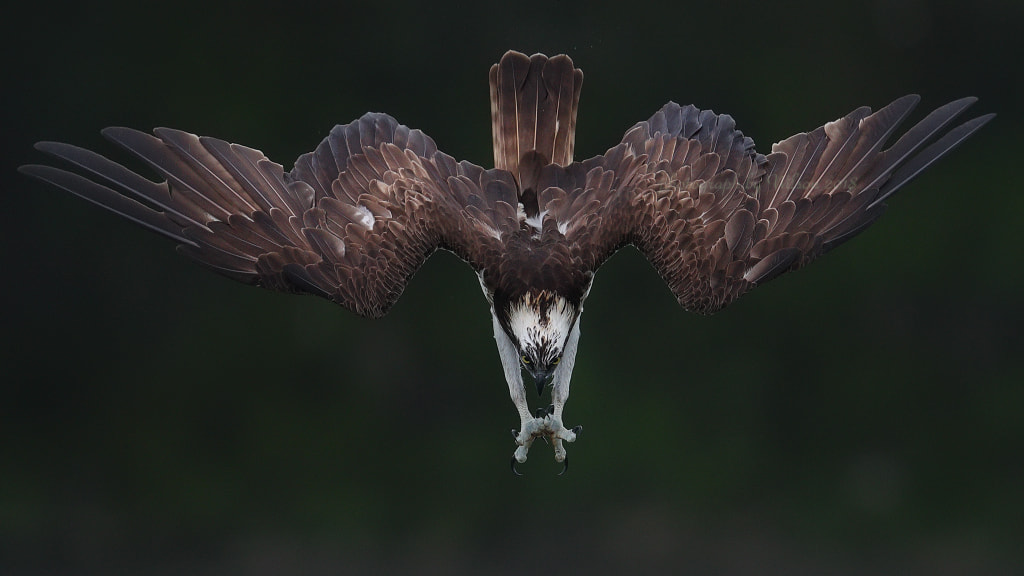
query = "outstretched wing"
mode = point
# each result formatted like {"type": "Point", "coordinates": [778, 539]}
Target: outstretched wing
{"type": "Point", "coordinates": [716, 219]}
{"type": "Point", "coordinates": [351, 222]}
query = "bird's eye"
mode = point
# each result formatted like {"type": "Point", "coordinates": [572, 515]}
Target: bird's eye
{"type": "Point", "coordinates": [525, 359]}
{"type": "Point", "coordinates": [556, 360]}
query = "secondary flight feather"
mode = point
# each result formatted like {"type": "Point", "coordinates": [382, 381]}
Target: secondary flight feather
{"type": "Point", "coordinates": [354, 219]}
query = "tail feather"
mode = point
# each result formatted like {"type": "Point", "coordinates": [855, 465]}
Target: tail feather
{"type": "Point", "coordinates": [533, 112]}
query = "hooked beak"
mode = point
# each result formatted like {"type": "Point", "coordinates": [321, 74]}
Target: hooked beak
{"type": "Point", "coordinates": [540, 378]}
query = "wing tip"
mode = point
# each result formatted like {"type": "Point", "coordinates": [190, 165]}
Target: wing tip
{"type": "Point", "coordinates": [32, 170]}
{"type": "Point", "coordinates": [982, 120]}
{"type": "Point", "coordinates": [112, 132]}
{"type": "Point", "coordinates": [44, 172]}
{"type": "Point", "coordinates": [47, 146]}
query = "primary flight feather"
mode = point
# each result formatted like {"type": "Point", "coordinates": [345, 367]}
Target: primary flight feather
{"type": "Point", "coordinates": [355, 218]}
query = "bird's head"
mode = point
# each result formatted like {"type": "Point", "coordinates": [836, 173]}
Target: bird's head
{"type": "Point", "coordinates": [539, 324]}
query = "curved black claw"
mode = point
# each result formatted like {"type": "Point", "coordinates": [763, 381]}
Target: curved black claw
{"type": "Point", "coordinates": [565, 465]}
{"type": "Point", "coordinates": [577, 429]}
{"type": "Point", "coordinates": [539, 413]}
{"type": "Point", "coordinates": [515, 434]}
{"type": "Point", "coordinates": [514, 471]}
{"type": "Point", "coordinates": [551, 409]}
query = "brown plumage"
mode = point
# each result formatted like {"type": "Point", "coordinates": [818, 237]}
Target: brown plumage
{"type": "Point", "coordinates": [533, 111]}
{"type": "Point", "coordinates": [355, 218]}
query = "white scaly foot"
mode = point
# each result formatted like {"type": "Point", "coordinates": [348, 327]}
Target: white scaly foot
{"type": "Point", "coordinates": [547, 425]}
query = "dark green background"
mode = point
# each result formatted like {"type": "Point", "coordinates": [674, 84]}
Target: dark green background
{"type": "Point", "coordinates": [863, 416]}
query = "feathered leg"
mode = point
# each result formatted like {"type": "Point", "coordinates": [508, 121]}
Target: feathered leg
{"type": "Point", "coordinates": [560, 394]}
{"type": "Point", "coordinates": [529, 425]}
{"type": "Point", "coordinates": [545, 424]}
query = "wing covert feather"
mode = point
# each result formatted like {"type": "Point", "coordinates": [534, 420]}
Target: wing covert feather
{"type": "Point", "coordinates": [356, 217]}
{"type": "Point", "coordinates": [715, 218]}
{"type": "Point", "coordinates": [352, 222]}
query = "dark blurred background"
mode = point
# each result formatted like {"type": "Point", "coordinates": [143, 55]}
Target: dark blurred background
{"type": "Point", "coordinates": [862, 416]}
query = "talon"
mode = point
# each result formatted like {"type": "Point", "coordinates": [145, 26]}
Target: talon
{"type": "Point", "coordinates": [539, 413]}
{"type": "Point", "coordinates": [515, 434]}
{"type": "Point", "coordinates": [577, 429]}
{"type": "Point", "coordinates": [551, 409]}
{"type": "Point", "coordinates": [517, 472]}
{"type": "Point", "coordinates": [565, 465]}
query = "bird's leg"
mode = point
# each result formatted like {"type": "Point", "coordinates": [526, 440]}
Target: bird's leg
{"type": "Point", "coordinates": [530, 427]}
{"type": "Point", "coordinates": [546, 423]}
{"type": "Point", "coordinates": [560, 394]}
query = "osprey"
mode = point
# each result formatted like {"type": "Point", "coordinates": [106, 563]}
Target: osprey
{"type": "Point", "coordinates": [355, 218]}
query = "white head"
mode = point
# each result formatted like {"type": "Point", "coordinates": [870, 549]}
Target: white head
{"type": "Point", "coordinates": [539, 324]}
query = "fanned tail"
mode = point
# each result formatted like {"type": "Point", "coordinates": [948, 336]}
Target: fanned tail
{"type": "Point", "coordinates": [533, 113]}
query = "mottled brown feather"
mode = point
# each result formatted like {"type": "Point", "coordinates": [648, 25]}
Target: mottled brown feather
{"type": "Point", "coordinates": [352, 222]}
{"type": "Point", "coordinates": [357, 216]}
{"type": "Point", "coordinates": [716, 219]}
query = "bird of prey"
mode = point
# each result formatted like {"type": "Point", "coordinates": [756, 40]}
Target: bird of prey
{"type": "Point", "coordinates": [354, 219]}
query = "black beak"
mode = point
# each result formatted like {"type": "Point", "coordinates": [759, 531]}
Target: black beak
{"type": "Point", "coordinates": [540, 378]}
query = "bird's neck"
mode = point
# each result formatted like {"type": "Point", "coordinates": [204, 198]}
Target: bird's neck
{"type": "Point", "coordinates": [540, 317]}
